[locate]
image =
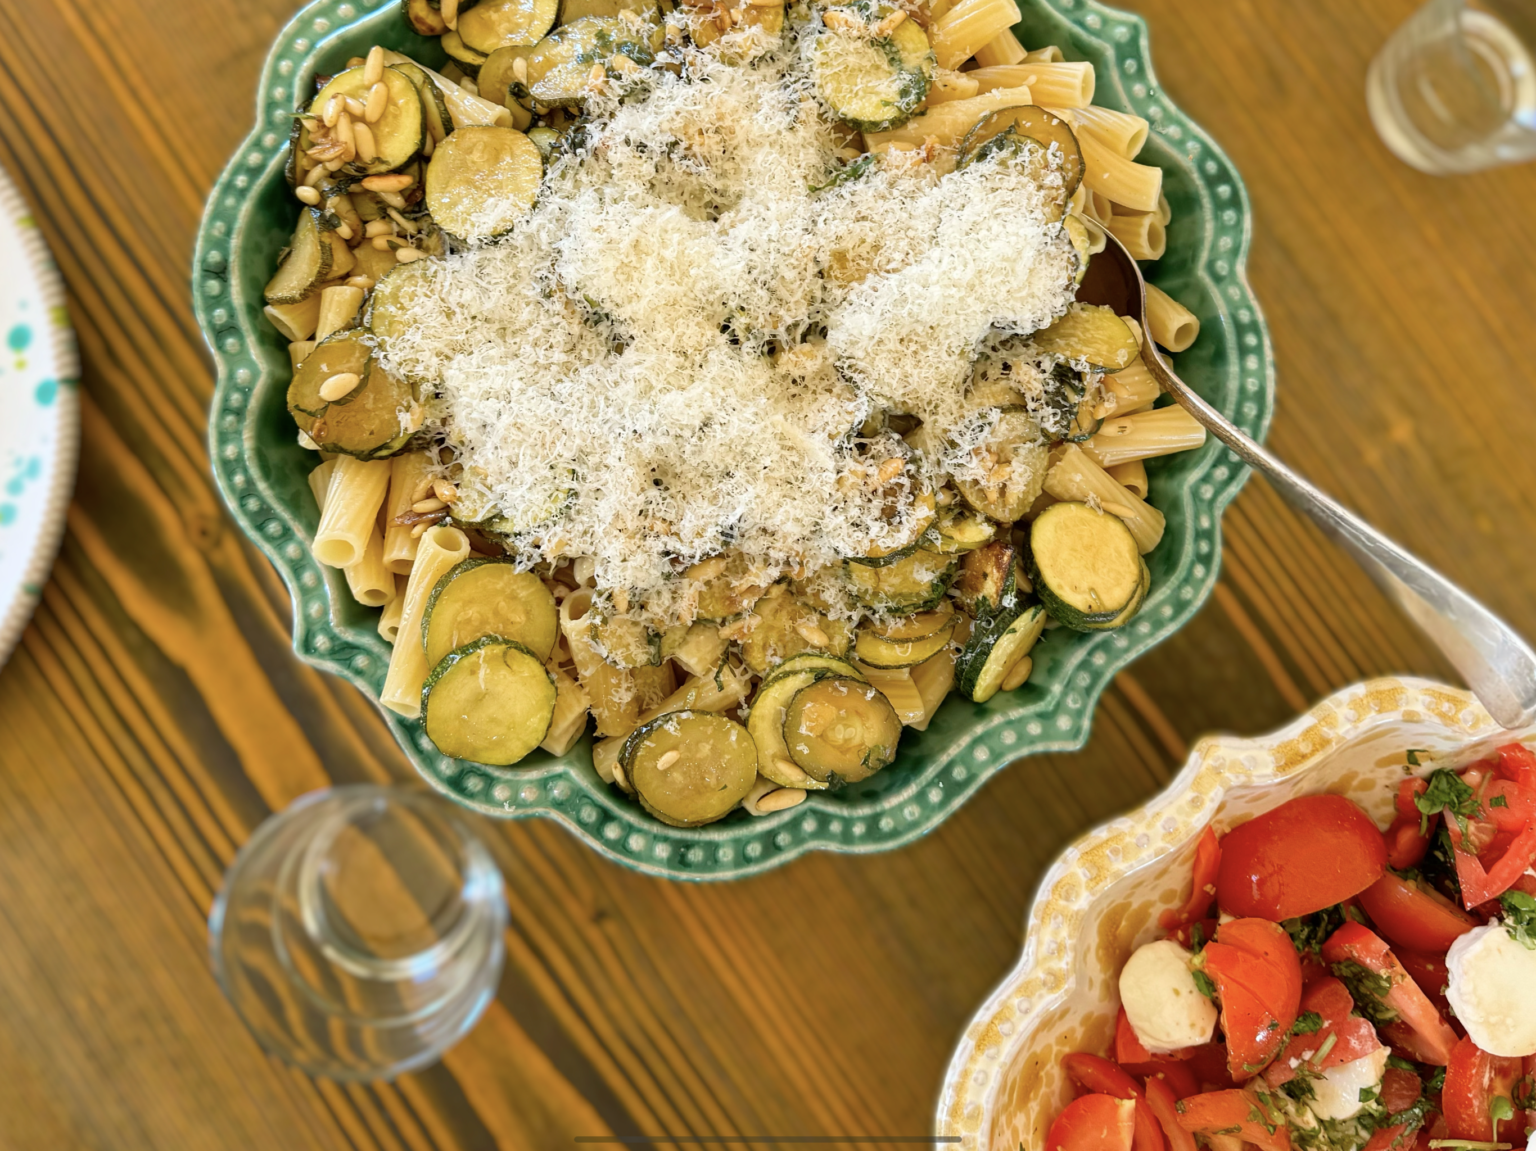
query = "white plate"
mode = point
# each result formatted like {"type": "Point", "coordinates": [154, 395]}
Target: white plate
{"type": "Point", "coordinates": [39, 414]}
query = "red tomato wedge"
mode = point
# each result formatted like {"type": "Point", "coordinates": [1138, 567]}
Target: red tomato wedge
{"type": "Point", "coordinates": [1429, 971]}
{"type": "Point", "coordinates": [1100, 1076]}
{"type": "Point", "coordinates": [1202, 890]}
{"type": "Point", "coordinates": [1137, 1060]}
{"type": "Point", "coordinates": [1479, 882]}
{"type": "Point", "coordinates": [1406, 845]}
{"type": "Point", "coordinates": [1094, 1123]}
{"type": "Point", "coordinates": [1518, 763]}
{"type": "Point", "coordinates": [1305, 855]}
{"type": "Point", "coordinates": [1420, 1028]}
{"type": "Point", "coordinates": [1472, 1082]}
{"type": "Point", "coordinates": [1353, 1037]}
{"type": "Point", "coordinates": [1414, 916]}
{"type": "Point", "coordinates": [1258, 980]}
{"type": "Point", "coordinates": [1218, 1111]}
{"type": "Point", "coordinates": [1165, 1107]}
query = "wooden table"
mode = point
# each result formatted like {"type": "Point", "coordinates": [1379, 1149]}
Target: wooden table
{"type": "Point", "coordinates": [153, 715]}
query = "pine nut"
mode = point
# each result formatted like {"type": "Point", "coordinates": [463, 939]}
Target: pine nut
{"type": "Point", "coordinates": [790, 768]}
{"type": "Point", "coordinates": [781, 800]}
{"type": "Point", "coordinates": [392, 199]}
{"type": "Point", "coordinates": [708, 569]}
{"type": "Point", "coordinates": [355, 107]}
{"type": "Point", "coordinates": [620, 778]}
{"type": "Point", "coordinates": [445, 491]}
{"type": "Point", "coordinates": [620, 600]}
{"type": "Point", "coordinates": [421, 491]}
{"type": "Point", "coordinates": [307, 194]}
{"type": "Point", "coordinates": [373, 68]}
{"type": "Point", "coordinates": [890, 469]}
{"type": "Point", "coordinates": [363, 282]}
{"type": "Point", "coordinates": [367, 150]}
{"type": "Point", "coordinates": [381, 243]}
{"type": "Point", "coordinates": [332, 111]}
{"type": "Point", "coordinates": [408, 255]}
{"type": "Point", "coordinates": [999, 474]}
{"type": "Point", "coordinates": [375, 228]}
{"type": "Point", "coordinates": [1017, 674]}
{"type": "Point", "coordinates": [420, 529]}
{"type": "Point", "coordinates": [389, 182]}
{"type": "Point", "coordinates": [344, 132]}
{"type": "Point", "coordinates": [1121, 510]}
{"type": "Point", "coordinates": [428, 505]}
{"type": "Point", "coordinates": [378, 101]}
{"type": "Point", "coordinates": [344, 230]}
{"type": "Point", "coordinates": [668, 759]}
{"type": "Point", "coordinates": [889, 24]}
{"type": "Point", "coordinates": [450, 14]}
{"type": "Point", "coordinates": [813, 634]}
{"type": "Point", "coordinates": [356, 62]}
{"type": "Point", "coordinates": [520, 68]}
{"type": "Point", "coordinates": [315, 177]}
{"type": "Point", "coordinates": [410, 227]}
{"type": "Point", "coordinates": [339, 386]}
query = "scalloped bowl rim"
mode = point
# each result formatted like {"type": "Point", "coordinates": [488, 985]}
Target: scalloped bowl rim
{"type": "Point", "coordinates": [1005, 1023]}
{"type": "Point", "coordinates": [1056, 717]}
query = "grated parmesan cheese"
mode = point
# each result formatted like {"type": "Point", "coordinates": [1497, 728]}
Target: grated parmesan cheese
{"type": "Point", "coordinates": [683, 346]}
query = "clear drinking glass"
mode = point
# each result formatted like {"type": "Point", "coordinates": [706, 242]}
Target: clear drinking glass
{"type": "Point", "coordinates": [1454, 89]}
{"type": "Point", "coordinates": [360, 933]}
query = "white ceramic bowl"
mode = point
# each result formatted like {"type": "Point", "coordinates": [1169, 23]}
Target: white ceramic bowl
{"type": "Point", "coordinates": [1101, 899]}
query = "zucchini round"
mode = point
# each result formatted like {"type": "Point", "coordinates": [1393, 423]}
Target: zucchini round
{"type": "Point", "coordinates": [914, 583]}
{"type": "Point", "coordinates": [423, 17]}
{"type": "Point", "coordinates": [988, 582]}
{"type": "Point", "coordinates": [499, 80]}
{"type": "Point", "coordinates": [1020, 452]}
{"type": "Point", "coordinates": [960, 530]}
{"type": "Point", "coordinates": [876, 651]}
{"type": "Point", "coordinates": [482, 180]}
{"type": "Point", "coordinates": [1071, 404]}
{"type": "Point", "coordinates": [490, 701]}
{"type": "Point", "coordinates": [573, 10]}
{"type": "Point", "coordinates": [787, 627]}
{"type": "Point", "coordinates": [765, 723]}
{"type": "Point", "coordinates": [1131, 608]}
{"type": "Point", "coordinates": [371, 421]}
{"type": "Point", "coordinates": [996, 645]}
{"type": "Point", "coordinates": [560, 65]}
{"type": "Point", "coordinates": [1091, 334]}
{"type": "Point", "coordinates": [726, 594]}
{"type": "Point", "coordinates": [841, 730]}
{"type": "Point", "coordinates": [397, 135]}
{"type": "Point", "coordinates": [904, 629]}
{"type": "Point", "coordinates": [1014, 129]}
{"type": "Point", "coordinates": [814, 661]}
{"type": "Point", "coordinates": [434, 109]}
{"type": "Point", "coordinates": [1084, 565]}
{"type": "Point", "coordinates": [468, 59]}
{"type": "Point", "coordinates": [713, 770]}
{"type": "Point", "coordinates": [392, 298]}
{"type": "Point", "coordinates": [493, 24]}
{"type": "Point", "coordinates": [483, 596]}
{"type": "Point", "coordinates": [872, 83]}
{"type": "Point", "coordinates": [918, 517]}
{"type": "Point", "coordinates": [307, 263]}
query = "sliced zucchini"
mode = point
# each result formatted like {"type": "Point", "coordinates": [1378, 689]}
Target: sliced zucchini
{"type": "Point", "coordinates": [915, 520]}
{"type": "Point", "coordinates": [702, 650]}
{"type": "Point", "coordinates": [914, 583]}
{"type": "Point", "coordinates": [877, 651]}
{"type": "Point", "coordinates": [468, 59]}
{"type": "Point", "coordinates": [483, 596]}
{"type": "Point", "coordinates": [625, 642]}
{"type": "Point", "coordinates": [373, 420]}
{"type": "Point", "coordinates": [1028, 122]}
{"type": "Point", "coordinates": [482, 180]}
{"type": "Point", "coordinates": [988, 581]}
{"type": "Point", "coordinates": [1017, 446]}
{"type": "Point", "coordinates": [961, 530]}
{"type": "Point", "coordinates": [704, 30]}
{"type": "Point", "coordinates": [490, 701]}
{"type": "Point", "coordinates": [872, 84]}
{"type": "Point", "coordinates": [713, 770]}
{"type": "Point", "coordinates": [434, 109]}
{"type": "Point", "coordinates": [375, 264]}
{"type": "Point", "coordinates": [765, 723]}
{"type": "Point", "coordinates": [997, 643]}
{"type": "Point", "coordinates": [1070, 402]}
{"type": "Point", "coordinates": [1091, 334]}
{"type": "Point", "coordinates": [841, 730]}
{"type": "Point", "coordinates": [923, 624]}
{"type": "Point", "coordinates": [542, 505]}
{"type": "Point", "coordinates": [397, 135]}
{"type": "Point", "coordinates": [1082, 244]}
{"type": "Point", "coordinates": [1084, 565]}
{"type": "Point", "coordinates": [424, 17]}
{"type": "Point", "coordinates": [299, 164]}
{"type": "Point", "coordinates": [392, 298]}
{"type": "Point", "coordinates": [573, 10]}
{"type": "Point", "coordinates": [493, 24]}
{"type": "Point", "coordinates": [560, 66]}
{"type": "Point", "coordinates": [1131, 608]}
{"type": "Point", "coordinates": [727, 594]}
{"type": "Point", "coordinates": [814, 661]}
{"type": "Point", "coordinates": [787, 627]}
{"type": "Point", "coordinates": [498, 77]}
{"type": "Point", "coordinates": [306, 265]}
{"type": "Point", "coordinates": [546, 140]}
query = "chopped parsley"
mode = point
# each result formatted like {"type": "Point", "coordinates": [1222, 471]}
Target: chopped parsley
{"type": "Point", "coordinates": [1309, 932]}
{"type": "Point", "coordinates": [1401, 1064]}
{"type": "Point", "coordinates": [1520, 917]}
{"type": "Point", "coordinates": [1307, 1023]}
{"type": "Point", "coordinates": [1523, 1093]}
{"type": "Point", "coordinates": [1499, 801]}
{"type": "Point", "coordinates": [1369, 991]}
{"type": "Point", "coordinates": [1436, 1082]}
{"type": "Point", "coordinates": [846, 173]}
{"type": "Point", "coordinates": [1203, 984]}
{"type": "Point", "coordinates": [1447, 791]}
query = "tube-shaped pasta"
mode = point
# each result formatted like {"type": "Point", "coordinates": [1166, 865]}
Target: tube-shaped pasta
{"type": "Point", "coordinates": [1058, 86]}
{"type": "Point", "coordinates": [1132, 388]}
{"type": "Point", "coordinates": [949, 122]}
{"type": "Point", "coordinates": [605, 753]}
{"type": "Point", "coordinates": [352, 505]}
{"type": "Point", "coordinates": [703, 693]}
{"type": "Point", "coordinates": [569, 722]}
{"type": "Point", "coordinates": [295, 321]}
{"type": "Point", "coordinates": [577, 629]}
{"type": "Point", "coordinates": [338, 308]}
{"type": "Point", "coordinates": [320, 483]}
{"type": "Point", "coordinates": [949, 85]}
{"type": "Point", "coordinates": [614, 700]}
{"type": "Point", "coordinates": [407, 472]}
{"type": "Point", "coordinates": [371, 583]}
{"type": "Point", "coordinates": [1096, 235]}
{"type": "Point", "coordinates": [654, 684]}
{"type": "Point", "coordinates": [1170, 323]}
{"type": "Point", "coordinates": [933, 677]}
{"type": "Point", "coordinates": [897, 687]}
{"type": "Point", "coordinates": [1125, 132]}
{"type": "Point", "coordinates": [298, 352]}
{"type": "Point", "coordinates": [1048, 55]}
{"type": "Point", "coordinates": [389, 618]}
{"type": "Point", "coordinates": [1122, 181]}
{"type": "Point", "coordinates": [702, 650]}
{"type": "Point", "coordinates": [1078, 201]}
{"type": "Point", "coordinates": [1132, 475]}
{"type": "Point", "coordinates": [1074, 476]}
{"type": "Point", "coordinates": [1142, 436]}
{"type": "Point", "coordinates": [441, 548]}
{"type": "Point", "coordinates": [1144, 238]}
{"type": "Point", "coordinates": [1002, 49]}
{"type": "Point", "coordinates": [1097, 208]}
{"type": "Point", "coordinates": [956, 35]}
{"type": "Point", "coordinates": [1135, 325]}
{"type": "Point", "coordinates": [1164, 210]}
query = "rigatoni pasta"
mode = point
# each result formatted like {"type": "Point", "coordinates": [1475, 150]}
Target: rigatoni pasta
{"type": "Point", "coordinates": [353, 498]}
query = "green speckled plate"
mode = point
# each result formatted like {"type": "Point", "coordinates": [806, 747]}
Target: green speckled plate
{"type": "Point", "coordinates": [261, 470]}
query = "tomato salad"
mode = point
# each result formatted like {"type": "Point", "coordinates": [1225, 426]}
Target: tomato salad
{"type": "Point", "coordinates": [1329, 986]}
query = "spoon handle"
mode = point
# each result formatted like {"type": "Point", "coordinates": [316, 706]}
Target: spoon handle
{"type": "Point", "coordinates": [1497, 664]}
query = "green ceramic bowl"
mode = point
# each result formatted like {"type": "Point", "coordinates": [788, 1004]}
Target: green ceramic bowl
{"type": "Point", "coordinates": [261, 471]}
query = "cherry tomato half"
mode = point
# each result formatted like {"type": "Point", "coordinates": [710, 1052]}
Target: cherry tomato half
{"type": "Point", "coordinates": [1163, 1104]}
{"type": "Point", "coordinates": [1420, 1028]}
{"type": "Point", "coordinates": [1235, 1111]}
{"type": "Point", "coordinates": [1202, 891]}
{"type": "Point", "coordinates": [1413, 915]}
{"type": "Point", "coordinates": [1472, 1081]}
{"type": "Point", "coordinates": [1094, 1123]}
{"type": "Point", "coordinates": [1258, 980]}
{"type": "Point", "coordinates": [1099, 1076]}
{"type": "Point", "coordinates": [1353, 1037]}
{"type": "Point", "coordinates": [1305, 855]}
{"type": "Point", "coordinates": [1406, 845]}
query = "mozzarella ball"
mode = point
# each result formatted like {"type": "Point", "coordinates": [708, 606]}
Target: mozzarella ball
{"type": "Point", "coordinates": [1491, 983]}
{"type": "Point", "coordinates": [1165, 1008]}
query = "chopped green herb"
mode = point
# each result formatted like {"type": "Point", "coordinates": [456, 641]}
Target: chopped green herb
{"type": "Point", "coordinates": [1447, 791]}
{"type": "Point", "coordinates": [1204, 985]}
{"type": "Point", "coordinates": [1369, 991]}
{"type": "Point", "coordinates": [1307, 1023]}
{"type": "Point", "coordinates": [1328, 1045]}
{"type": "Point", "coordinates": [1308, 932]}
{"type": "Point", "coordinates": [1226, 1131]}
{"type": "Point", "coordinates": [1413, 756]}
{"type": "Point", "coordinates": [1499, 801]}
{"type": "Point", "coordinates": [846, 173]}
{"type": "Point", "coordinates": [1436, 1082]}
{"type": "Point", "coordinates": [1197, 937]}
{"type": "Point", "coordinates": [1520, 917]}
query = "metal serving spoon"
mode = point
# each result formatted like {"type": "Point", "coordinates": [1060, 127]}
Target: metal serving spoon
{"type": "Point", "coordinates": [1497, 664]}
